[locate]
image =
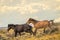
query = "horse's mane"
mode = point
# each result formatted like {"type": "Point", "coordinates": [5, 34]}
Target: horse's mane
{"type": "Point", "coordinates": [33, 19]}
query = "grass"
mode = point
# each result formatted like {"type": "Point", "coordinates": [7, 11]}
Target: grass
{"type": "Point", "coordinates": [4, 35]}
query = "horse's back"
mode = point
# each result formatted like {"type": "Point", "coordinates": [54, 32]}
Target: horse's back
{"type": "Point", "coordinates": [23, 27]}
{"type": "Point", "coordinates": [18, 28]}
{"type": "Point", "coordinates": [42, 23]}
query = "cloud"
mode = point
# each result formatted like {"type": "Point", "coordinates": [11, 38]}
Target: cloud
{"type": "Point", "coordinates": [37, 9]}
{"type": "Point", "coordinates": [58, 0]}
{"type": "Point", "coordinates": [7, 8]}
{"type": "Point", "coordinates": [57, 8]}
{"type": "Point", "coordinates": [28, 8]}
{"type": "Point", "coordinates": [24, 8]}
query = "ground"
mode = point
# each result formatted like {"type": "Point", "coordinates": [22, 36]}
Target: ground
{"type": "Point", "coordinates": [4, 35]}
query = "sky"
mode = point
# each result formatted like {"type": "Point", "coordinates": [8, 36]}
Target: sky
{"type": "Point", "coordinates": [19, 11]}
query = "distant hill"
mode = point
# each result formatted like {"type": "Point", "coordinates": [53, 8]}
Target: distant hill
{"type": "Point", "coordinates": [3, 28]}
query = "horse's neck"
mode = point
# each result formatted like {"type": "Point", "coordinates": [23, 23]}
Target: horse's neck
{"type": "Point", "coordinates": [35, 22]}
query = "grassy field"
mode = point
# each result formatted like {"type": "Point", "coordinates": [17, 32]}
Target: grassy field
{"type": "Point", "coordinates": [4, 35]}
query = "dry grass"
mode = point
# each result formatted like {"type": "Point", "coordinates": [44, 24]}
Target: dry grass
{"type": "Point", "coordinates": [4, 35]}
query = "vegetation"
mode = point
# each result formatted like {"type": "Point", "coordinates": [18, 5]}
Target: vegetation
{"type": "Point", "coordinates": [4, 35]}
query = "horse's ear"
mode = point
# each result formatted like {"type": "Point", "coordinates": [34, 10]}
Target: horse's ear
{"type": "Point", "coordinates": [15, 25]}
{"type": "Point", "coordinates": [51, 20]}
{"type": "Point", "coordinates": [30, 18]}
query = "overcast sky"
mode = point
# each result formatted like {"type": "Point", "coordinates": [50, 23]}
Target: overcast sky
{"type": "Point", "coordinates": [19, 11]}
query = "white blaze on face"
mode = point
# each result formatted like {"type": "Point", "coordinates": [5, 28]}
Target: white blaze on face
{"type": "Point", "coordinates": [51, 22]}
{"type": "Point", "coordinates": [33, 29]}
{"type": "Point", "coordinates": [31, 24]}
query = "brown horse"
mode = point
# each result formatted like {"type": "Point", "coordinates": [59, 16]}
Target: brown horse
{"type": "Point", "coordinates": [39, 24]}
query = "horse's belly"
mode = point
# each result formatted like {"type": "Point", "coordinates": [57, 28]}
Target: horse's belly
{"type": "Point", "coordinates": [40, 25]}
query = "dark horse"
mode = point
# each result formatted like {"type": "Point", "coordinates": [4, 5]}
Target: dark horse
{"type": "Point", "coordinates": [20, 28]}
{"type": "Point", "coordinates": [39, 24]}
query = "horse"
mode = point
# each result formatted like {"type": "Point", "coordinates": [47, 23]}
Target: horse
{"type": "Point", "coordinates": [51, 22]}
{"type": "Point", "coordinates": [20, 28]}
{"type": "Point", "coordinates": [39, 24]}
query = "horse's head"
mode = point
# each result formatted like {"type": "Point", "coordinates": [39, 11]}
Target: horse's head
{"type": "Point", "coordinates": [52, 22]}
{"type": "Point", "coordinates": [10, 26]}
{"type": "Point", "coordinates": [31, 20]}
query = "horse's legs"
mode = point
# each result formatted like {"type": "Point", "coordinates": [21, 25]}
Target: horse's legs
{"type": "Point", "coordinates": [50, 28]}
{"type": "Point", "coordinates": [20, 33]}
{"type": "Point", "coordinates": [44, 30]}
{"type": "Point", "coordinates": [35, 31]}
{"type": "Point", "coordinates": [15, 33]}
{"type": "Point", "coordinates": [31, 32]}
